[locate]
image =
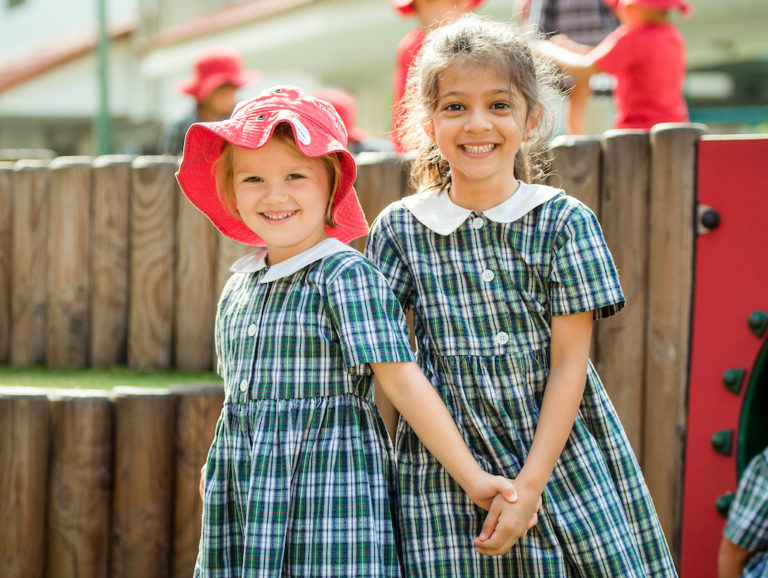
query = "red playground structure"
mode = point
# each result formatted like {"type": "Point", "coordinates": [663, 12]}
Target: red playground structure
{"type": "Point", "coordinates": [728, 387]}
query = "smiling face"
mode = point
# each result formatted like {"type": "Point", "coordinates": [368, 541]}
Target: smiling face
{"type": "Point", "coordinates": [282, 196]}
{"type": "Point", "coordinates": [479, 124]}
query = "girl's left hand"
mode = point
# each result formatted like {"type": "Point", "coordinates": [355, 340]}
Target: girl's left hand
{"type": "Point", "coordinates": [487, 486]}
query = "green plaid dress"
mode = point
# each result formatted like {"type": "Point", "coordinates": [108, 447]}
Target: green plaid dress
{"type": "Point", "coordinates": [748, 517]}
{"type": "Point", "coordinates": [300, 477]}
{"type": "Point", "coordinates": [483, 288]}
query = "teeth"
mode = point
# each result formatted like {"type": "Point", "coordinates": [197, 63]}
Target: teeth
{"type": "Point", "coordinates": [278, 217]}
{"type": "Point", "coordinates": [478, 149]}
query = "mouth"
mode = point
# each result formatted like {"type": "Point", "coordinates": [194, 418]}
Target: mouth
{"type": "Point", "coordinates": [478, 149]}
{"type": "Point", "coordinates": [277, 218]}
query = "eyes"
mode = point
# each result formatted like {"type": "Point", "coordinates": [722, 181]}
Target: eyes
{"type": "Point", "coordinates": [257, 179]}
{"type": "Point", "coordinates": [499, 106]}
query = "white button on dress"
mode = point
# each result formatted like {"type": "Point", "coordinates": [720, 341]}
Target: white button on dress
{"type": "Point", "coordinates": [251, 330]}
{"type": "Point", "coordinates": [244, 385]}
{"type": "Point", "coordinates": [502, 338]}
{"type": "Point", "coordinates": [478, 222]}
{"type": "Point", "coordinates": [487, 276]}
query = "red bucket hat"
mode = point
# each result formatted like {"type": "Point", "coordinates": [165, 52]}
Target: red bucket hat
{"type": "Point", "coordinates": [317, 130]}
{"type": "Point", "coordinates": [682, 5]}
{"type": "Point", "coordinates": [405, 7]}
{"type": "Point", "coordinates": [213, 68]}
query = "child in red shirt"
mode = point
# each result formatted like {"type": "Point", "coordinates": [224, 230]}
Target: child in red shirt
{"type": "Point", "coordinates": [646, 55]}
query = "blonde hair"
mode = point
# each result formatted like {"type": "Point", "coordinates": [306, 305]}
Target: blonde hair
{"type": "Point", "coordinates": [223, 171]}
{"type": "Point", "coordinates": [482, 42]}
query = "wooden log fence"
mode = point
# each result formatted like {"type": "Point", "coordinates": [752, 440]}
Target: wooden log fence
{"type": "Point", "coordinates": [103, 262]}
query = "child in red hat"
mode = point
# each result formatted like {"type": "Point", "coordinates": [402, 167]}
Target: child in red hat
{"type": "Point", "coordinates": [218, 75]}
{"type": "Point", "coordinates": [430, 13]}
{"type": "Point", "coordinates": [299, 479]}
{"type": "Point", "coordinates": [646, 54]}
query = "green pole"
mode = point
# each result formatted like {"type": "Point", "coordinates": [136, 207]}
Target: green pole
{"type": "Point", "coordinates": [103, 121]}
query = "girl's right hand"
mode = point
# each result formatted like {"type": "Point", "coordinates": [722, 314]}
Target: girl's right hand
{"type": "Point", "coordinates": [487, 487]}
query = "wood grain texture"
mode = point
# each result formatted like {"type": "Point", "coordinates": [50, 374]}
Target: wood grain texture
{"type": "Point", "coordinates": [197, 412]}
{"type": "Point", "coordinates": [6, 184]}
{"type": "Point", "coordinates": [109, 260]}
{"type": "Point", "coordinates": [23, 478]}
{"type": "Point", "coordinates": [576, 167]}
{"type": "Point", "coordinates": [69, 253]}
{"type": "Point", "coordinates": [152, 258]}
{"type": "Point", "coordinates": [29, 249]}
{"type": "Point", "coordinates": [624, 219]}
{"type": "Point", "coordinates": [80, 489]}
{"type": "Point", "coordinates": [670, 281]}
{"type": "Point", "coordinates": [195, 287]}
{"type": "Point", "coordinates": [142, 499]}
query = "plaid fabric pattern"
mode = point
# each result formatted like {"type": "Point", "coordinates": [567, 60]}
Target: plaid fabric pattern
{"type": "Point", "coordinates": [300, 478]}
{"type": "Point", "coordinates": [583, 21]}
{"type": "Point", "coordinates": [482, 299]}
{"type": "Point", "coordinates": [748, 517]}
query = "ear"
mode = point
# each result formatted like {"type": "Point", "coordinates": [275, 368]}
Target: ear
{"type": "Point", "coordinates": [532, 123]}
{"type": "Point", "coordinates": [429, 128]}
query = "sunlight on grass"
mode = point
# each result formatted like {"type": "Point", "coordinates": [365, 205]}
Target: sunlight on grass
{"type": "Point", "coordinates": [107, 379]}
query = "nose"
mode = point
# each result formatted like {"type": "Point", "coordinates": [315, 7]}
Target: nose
{"type": "Point", "coordinates": [477, 121]}
{"type": "Point", "coordinates": [274, 193]}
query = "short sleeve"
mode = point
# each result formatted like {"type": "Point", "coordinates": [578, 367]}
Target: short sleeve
{"type": "Point", "coordinates": [367, 317]}
{"type": "Point", "coordinates": [583, 276]}
{"type": "Point", "coordinates": [382, 249]}
{"type": "Point", "coordinates": [748, 516]}
{"type": "Point", "coordinates": [615, 52]}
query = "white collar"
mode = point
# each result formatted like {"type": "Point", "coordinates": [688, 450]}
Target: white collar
{"type": "Point", "coordinates": [440, 214]}
{"type": "Point", "coordinates": [258, 260]}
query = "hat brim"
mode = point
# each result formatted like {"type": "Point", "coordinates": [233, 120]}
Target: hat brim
{"type": "Point", "coordinates": [203, 146]}
{"type": "Point", "coordinates": [201, 88]}
{"type": "Point", "coordinates": [405, 7]}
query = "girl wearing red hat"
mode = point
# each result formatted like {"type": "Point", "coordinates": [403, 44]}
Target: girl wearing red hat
{"type": "Point", "coordinates": [646, 55]}
{"type": "Point", "coordinates": [217, 77]}
{"type": "Point", "coordinates": [504, 278]}
{"type": "Point", "coordinates": [430, 14]}
{"type": "Point", "coordinates": [299, 479]}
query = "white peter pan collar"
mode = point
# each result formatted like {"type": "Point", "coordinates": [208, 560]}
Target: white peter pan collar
{"type": "Point", "coordinates": [440, 214]}
{"type": "Point", "coordinates": [258, 260]}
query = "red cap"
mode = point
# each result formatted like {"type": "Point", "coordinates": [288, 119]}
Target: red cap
{"type": "Point", "coordinates": [317, 130]}
{"type": "Point", "coordinates": [346, 106]}
{"type": "Point", "coordinates": [214, 68]}
{"type": "Point", "coordinates": [682, 5]}
{"type": "Point", "coordinates": [405, 7]}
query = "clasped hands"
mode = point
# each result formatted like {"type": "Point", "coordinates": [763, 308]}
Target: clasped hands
{"type": "Point", "coordinates": [510, 516]}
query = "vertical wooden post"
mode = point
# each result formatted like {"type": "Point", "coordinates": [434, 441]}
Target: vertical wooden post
{"type": "Point", "coordinates": [23, 477]}
{"type": "Point", "coordinates": [153, 215]}
{"type": "Point", "coordinates": [624, 219]}
{"type": "Point", "coordinates": [142, 499]}
{"type": "Point", "coordinates": [673, 200]}
{"type": "Point", "coordinates": [29, 246]}
{"type": "Point", "coordinates": [109, 259]}
{"type": "Point", "coordinates": [6, 181]}
{"type": "Point", "coordinates": [69, 253]}
{"type": "Point", "coordinates": [195, 285]}
{"type": "Point", "coordinates": [576, 166]}
{"type": "Point", "coordinates": [196, 416]}
{"type": "Point", "coordinates": [80, 493]}
{"type": "Point", "coordinates": [379, 182]}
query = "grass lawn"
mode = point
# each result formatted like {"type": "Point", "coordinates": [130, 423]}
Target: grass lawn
{"type": "Point", "coordinates": [107, 379]}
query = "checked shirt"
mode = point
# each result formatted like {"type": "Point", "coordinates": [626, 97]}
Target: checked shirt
{"type": "Point", "coordinates": [300, 478]}
{"type": "Point", "coordinates": [483, 288]}
{"type": "Point", "coordinates": [748, 516]}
